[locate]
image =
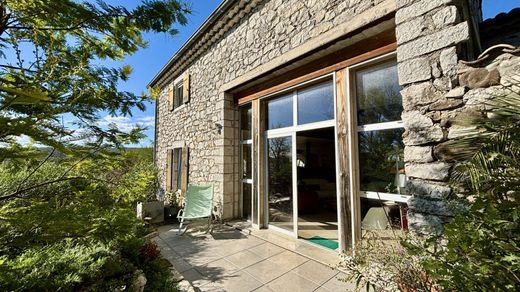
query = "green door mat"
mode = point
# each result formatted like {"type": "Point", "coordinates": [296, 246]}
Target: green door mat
{"type": "Point", "coordinates": [332, 244]}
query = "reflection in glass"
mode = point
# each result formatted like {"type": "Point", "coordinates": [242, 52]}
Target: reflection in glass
{"type": "Point", "coordinates": [381, 161]}
{"type": "Point", "coordinates": [246, 161]}
{"type": "Point", "coordinates": [280, 112]}
{"type": "Point", "coordinates": [316, 103]}
{"type": "Point", "coordinates": [382, 219]}
{"type": "Point", "coordinates": [246, 200]}
{"type": "Point", "coordinates": [378, 94]}
{"type": "Point", "coordinates": [280, 182]}
{"type": "Point", "coordinates": [245, 122]}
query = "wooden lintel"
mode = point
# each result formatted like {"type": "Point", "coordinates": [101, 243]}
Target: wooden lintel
{"type": "Point", "coordinates": [329, 69]}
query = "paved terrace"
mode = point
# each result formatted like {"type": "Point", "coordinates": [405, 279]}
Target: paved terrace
{"type": "Point", "coordinates": [230, 260]}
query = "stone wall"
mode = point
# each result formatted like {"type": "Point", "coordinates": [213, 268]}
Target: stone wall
{"type": "Point", "coordinates": [437, 91]}
{"type": "Point", "coordinates": [271, 29]}
{"type": "Point", "coordinates": [428, 34]}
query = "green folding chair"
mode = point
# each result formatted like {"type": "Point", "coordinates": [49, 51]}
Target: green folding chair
{"type": "Point", "coordinates": [198, 204]}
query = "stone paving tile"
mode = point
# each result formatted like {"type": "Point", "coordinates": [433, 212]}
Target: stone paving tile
{"type": "Point", "coordinates": [203, 257]}
{"type": "Point", "coordinates": [180, 265]}
{"type": "Point", "coordinates": [288, 260]}
{"type": "Point", "coordinates": [212, 287]}
{"type": "Point", "coordinates": [217, 270]}
{"type": "Point", "coordinates": [267, 250]}
{"type": "Point", "coordinates": [315, 272]}
{"type": "Point", "coordinates": [292, 282]}
{"type": "Point", "coordinates": [336, 284]}
{"type": "Point", "coordinates": [239, 282]}
{"type": "Point", "coordinates": [264, 289]}
{"type": "Point", "coordinates": [266, 271]}
{"type": "Point", "coordinates": [238, 245]}
{"type": "Point", "coordinates": [244, 259]}
{"type": "Point", "coordinates": [195, 278]}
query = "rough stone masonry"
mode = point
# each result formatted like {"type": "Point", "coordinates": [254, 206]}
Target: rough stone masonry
{"type": "Point", "coordinates": [437, 90]}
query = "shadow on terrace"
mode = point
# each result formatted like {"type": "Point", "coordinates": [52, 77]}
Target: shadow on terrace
{"type": "Point", "coordinates": [229, 260]}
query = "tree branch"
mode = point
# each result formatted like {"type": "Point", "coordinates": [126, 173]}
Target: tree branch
{"type": "Point", "coordinates": [36, 169]}
{"type": "Point", "coordinates": [61, 179]}
{"type": "Point", "coordinates": [17, 68]}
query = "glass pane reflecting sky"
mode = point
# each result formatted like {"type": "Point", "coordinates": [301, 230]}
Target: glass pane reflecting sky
{"type": "Point", "coordinates": [280, 112]}
{"type": "Point", "coordinates": [316, 103]}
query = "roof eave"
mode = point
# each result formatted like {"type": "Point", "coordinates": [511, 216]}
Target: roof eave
{"type": "Point", "coordinates": [214, 16]}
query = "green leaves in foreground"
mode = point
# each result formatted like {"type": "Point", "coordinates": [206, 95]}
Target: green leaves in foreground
{"type": "Point", "coordinates": [71, 224]}
{"type": "Point", "coordinates": [53, 84]}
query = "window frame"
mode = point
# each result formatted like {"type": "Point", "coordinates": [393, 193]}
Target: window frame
{"type": "Point", "coordinates": [293, 92]}
{"type": "Point", "coordinates": [291, 132]}
{"type": "Point", "coordinates": [391, 125]}
{"type": "Point", "coordinates": [176, 171]}
{"type": "Point", "coordinates": [354, 191]}
{"type": "Point", "coordinates": [178, 94]}
{"type": "Point", "coordinates": [246, 180]}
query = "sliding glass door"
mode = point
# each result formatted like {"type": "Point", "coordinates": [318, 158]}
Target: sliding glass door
{"type": "Point", "coordinates": [280, 182]}
{"type": "Point", "coordinates": [300, 159]}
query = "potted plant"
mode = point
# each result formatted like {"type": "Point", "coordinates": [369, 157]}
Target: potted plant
{"type": "Point", "coordinates": [171, 205]}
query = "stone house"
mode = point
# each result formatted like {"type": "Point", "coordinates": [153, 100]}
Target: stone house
{"type": "Point", "coordinates": [324, 119]}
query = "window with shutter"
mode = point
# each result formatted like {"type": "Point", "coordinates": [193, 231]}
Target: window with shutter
{"type": "Point", "coordinates": [186, 88]}
{"type": "Point", "coordinates": [177, 100]}
{"type": "Point", "coordinates": [179, 92]}
{"type": "Point", "coordinates": [184, 170]}
{"type": "Point", "coordinates": [177, 169]}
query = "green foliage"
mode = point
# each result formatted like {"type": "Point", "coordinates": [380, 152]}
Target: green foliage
{"type": "Point", "coordinates": [160, 278]}
{"type": "Point", "coordinates": [385, 265]}
{"type": "Point", "coordinates": [53, 68]}
{"type": "Point", "coordinates": [59, 266]}
{"type": "Point", "coordinates": [79, 230]}
{"type": "Point", "coordinates": [67, 219]}
{"type": "Point", "coordinates": [480, 250]}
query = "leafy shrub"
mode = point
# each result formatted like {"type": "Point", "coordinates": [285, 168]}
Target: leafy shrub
{"type": "Point", "coordinates": [385, 265]}
{"type": "Point", "coordinates": [158, 277]}
{"type": "Point", "coordinates": [71, 223]}
{"type": "Point", "coordinates": [149, 251]}
{"type": "Point", "coordinates": [58, 266]}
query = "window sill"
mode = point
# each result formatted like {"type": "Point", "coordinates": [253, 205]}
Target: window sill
{"type": "Point", "coordinates": [179, 108]}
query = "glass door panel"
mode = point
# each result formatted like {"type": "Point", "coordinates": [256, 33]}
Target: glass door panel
{"type": "Point", "coordinates": [280, 182]}
{"type": "Point", "coordinates": [316, 176]}
{"type": "Point", "coordinates": [247, 193]}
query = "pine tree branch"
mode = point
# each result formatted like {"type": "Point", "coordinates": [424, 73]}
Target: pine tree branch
{"type": "Point", "coordinates": [17, 68]}
{"type": "Point", "coordinates": [61, 179]}
{"type": "Point", "coordinates": [36, 169]}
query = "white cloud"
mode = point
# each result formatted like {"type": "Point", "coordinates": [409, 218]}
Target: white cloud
{"type": "Point", "coordinates": [147, 121]}
{"type": "Point", "coordinates": [126, 123]}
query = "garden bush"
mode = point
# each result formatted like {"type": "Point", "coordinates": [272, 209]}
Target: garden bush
{"type": "Point", "coordinates": [72, 223]}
